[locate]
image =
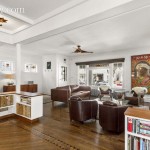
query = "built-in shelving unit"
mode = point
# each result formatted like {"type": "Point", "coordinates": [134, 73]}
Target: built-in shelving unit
{"type": "Point", "coordinates": [29, 105]}
{"type": "Point", "coordinates": [137, 129]}
{"type": "Point", "coordinates": [24, 104]}
{"type": "Point", "coordinates": [6, 104]}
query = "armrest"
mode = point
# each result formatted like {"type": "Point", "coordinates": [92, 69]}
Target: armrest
{"type": "Point", "coordinates": [60, 95]}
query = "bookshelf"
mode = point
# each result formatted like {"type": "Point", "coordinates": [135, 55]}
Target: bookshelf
{"type": "Point", "coordinates": [137, 129]}
{"type": "Point", "coordinates": [6, 104]}
{"type": "Point", "coordinates": [29, 106]}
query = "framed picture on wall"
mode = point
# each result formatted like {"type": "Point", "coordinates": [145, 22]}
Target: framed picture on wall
{"type": "Point", "coordinates": [48, 65]}
{"type": "Point", "coordinates": [140, 71]}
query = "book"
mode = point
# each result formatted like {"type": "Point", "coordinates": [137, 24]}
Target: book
{"type": "Point", "coordinates": [130, 125]}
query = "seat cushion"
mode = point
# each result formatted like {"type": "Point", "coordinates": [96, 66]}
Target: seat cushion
{"type": "Point", "coordinates": [109, 103]}
{"type": "Point", "coordinates": [81, 94]}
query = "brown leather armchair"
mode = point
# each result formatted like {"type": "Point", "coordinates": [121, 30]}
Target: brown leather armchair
{"type": "Point", "coordinates": [82, 110]}
{"type": "Point", "coordinates": [135, 98]}
{"type": "Point", "coordinates": [111, 117]}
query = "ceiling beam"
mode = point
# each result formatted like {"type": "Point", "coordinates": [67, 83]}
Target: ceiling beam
{"type": "Point", "coordinates": [68, 17]}
{"type": "Point", "coordinates": [15, 14]}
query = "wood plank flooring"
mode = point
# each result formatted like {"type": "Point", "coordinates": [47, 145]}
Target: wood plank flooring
{"type": "Point", "coordinates": [55, 132]}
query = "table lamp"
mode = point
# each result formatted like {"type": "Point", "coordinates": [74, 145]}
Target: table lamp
{"type": "Point", "coordinates": [10, 77]}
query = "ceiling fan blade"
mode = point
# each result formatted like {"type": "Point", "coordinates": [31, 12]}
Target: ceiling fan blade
{"type": "Point", "coordinates": [83, 51]}
{"type": "Point", "coordinates": [79, 50]}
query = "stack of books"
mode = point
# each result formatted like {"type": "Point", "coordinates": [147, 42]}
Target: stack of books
{"type": "Point", "coordinates": [139, 126]}
{"type": "Point", "coordinates": [135, 143]}
{"type": "Point", "coordinates": [26, 100]}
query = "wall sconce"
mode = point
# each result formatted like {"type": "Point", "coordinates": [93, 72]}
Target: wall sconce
{"type": "Point", "coordinates": [65, 60]}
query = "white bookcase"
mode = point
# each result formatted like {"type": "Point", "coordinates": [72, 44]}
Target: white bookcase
{"type": "Point", "coordinates": [29, 106]}
{"type": "Point", "coordinates": [24, 104]}
{"type": "Point", "coordinates": [7, 104]}
{"type": "Point", "coordinates": [137, 129]}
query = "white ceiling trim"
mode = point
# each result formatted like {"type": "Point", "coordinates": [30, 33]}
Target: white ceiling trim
{"type": "Point", "coordinates": [17, 15]}
{"type": "Point", "coordinates": [68, 17]}
{"type": "Point", "coordinates": [59, 10]}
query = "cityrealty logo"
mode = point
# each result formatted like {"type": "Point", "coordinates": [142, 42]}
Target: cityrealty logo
{"type": "Point", "coordinates": [12, 10]}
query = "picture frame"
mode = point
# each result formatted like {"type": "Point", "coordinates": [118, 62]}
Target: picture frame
{"type": "Point", "coordinates": [49, 65]}
{"type": "Point", "coordinates": [140, 71]}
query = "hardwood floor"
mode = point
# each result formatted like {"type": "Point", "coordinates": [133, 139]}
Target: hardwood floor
{"type": "Point", "coordinates": [55, 132]}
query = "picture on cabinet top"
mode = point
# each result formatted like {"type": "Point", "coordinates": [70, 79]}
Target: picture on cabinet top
{"type": "Point", "coordinates": [140, 71]}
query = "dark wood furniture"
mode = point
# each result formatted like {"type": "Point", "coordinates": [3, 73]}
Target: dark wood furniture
{"type": "Point", "coordinates": [9, 88]}
{"type": "Point", "coordinates": [25, 88]}
{"type": "Point", "coordinates": [111, 117]}
{"type": "Point", "coordinates": [82, 110]}
{"type": "Point", "coordinates": [64, 93]}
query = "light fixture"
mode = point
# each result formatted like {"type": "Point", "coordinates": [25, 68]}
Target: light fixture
{"type": "Point", "coordinates": [10, 77]}
{"type": "Point", "coordinates": [2, 20]}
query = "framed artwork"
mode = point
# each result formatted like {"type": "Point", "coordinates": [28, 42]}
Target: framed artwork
{"type": "Point", "coordinates": [30, 68]}
{"type": "Point", "coordinates": [48, 65]}
{"type": "Point", "coordinates": [140, 71]}
{"type": "Point", "coordinates": [6, 66]}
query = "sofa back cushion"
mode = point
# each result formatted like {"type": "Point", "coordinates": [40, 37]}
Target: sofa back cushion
{"type": "Point", "coordinates": [64, 87]}
{"type": "Point", "coordinates": [74, 88]}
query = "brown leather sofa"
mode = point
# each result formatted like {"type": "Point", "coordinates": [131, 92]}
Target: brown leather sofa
{"type": "Point", "coordinates": [82, 110]}
{"type": "Point", "coordinates": [111, 117]}
{"type": "Point", "coordinates": [64, 93]}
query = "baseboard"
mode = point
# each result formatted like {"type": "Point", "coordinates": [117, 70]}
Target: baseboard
{"type": "Point", "coordinates": [25, 119]}
{"type": "Point", "coordinates": [7, 116]}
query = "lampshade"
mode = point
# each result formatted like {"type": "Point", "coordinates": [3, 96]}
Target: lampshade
{"type": "Point", "coordinates": [9, 76]}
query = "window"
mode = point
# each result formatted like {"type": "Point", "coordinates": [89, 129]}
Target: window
{"type": "Point", "coordinates": [82, 75]}
{"type": "Point", "coordinates": [97, 74]}
{"type": "Point", "coordinates": [117, 75]}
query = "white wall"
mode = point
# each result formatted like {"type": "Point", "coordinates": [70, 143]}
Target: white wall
{"type": "Point", "coordinates": [29, 76]}
{"type": "Point", "coordinates": [8, 53]}
{"type": "Point", "coordinates": [108, 55]}
{"type": "Point", "coordinates": [5, 55]}
{"type": "Point", "coordinates": [52, 77]}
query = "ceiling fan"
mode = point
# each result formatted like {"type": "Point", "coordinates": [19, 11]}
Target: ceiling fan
{"type": "Point", "coordinates": [2, 20]}
{"type": "Point", "coordinates": [79, 50]}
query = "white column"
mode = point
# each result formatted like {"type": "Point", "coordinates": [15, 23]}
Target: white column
{"type": "Point", "coordinates": [18, 67]}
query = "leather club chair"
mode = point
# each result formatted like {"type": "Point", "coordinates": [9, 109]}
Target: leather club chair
{"type": "Point", "coordinates": [111, 117]}
{"type": "Point", "coordinates": [82, 110]}
{"type": "Point", "coordinates": [137, 95]}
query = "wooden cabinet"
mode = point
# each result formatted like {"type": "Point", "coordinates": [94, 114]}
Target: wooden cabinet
{"type": "Point", "coordinates": [9, 88]}
{"type": "Point", "coordinates": [25, 88]}
{"type": "Point", "coordinates": [29, 88]}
